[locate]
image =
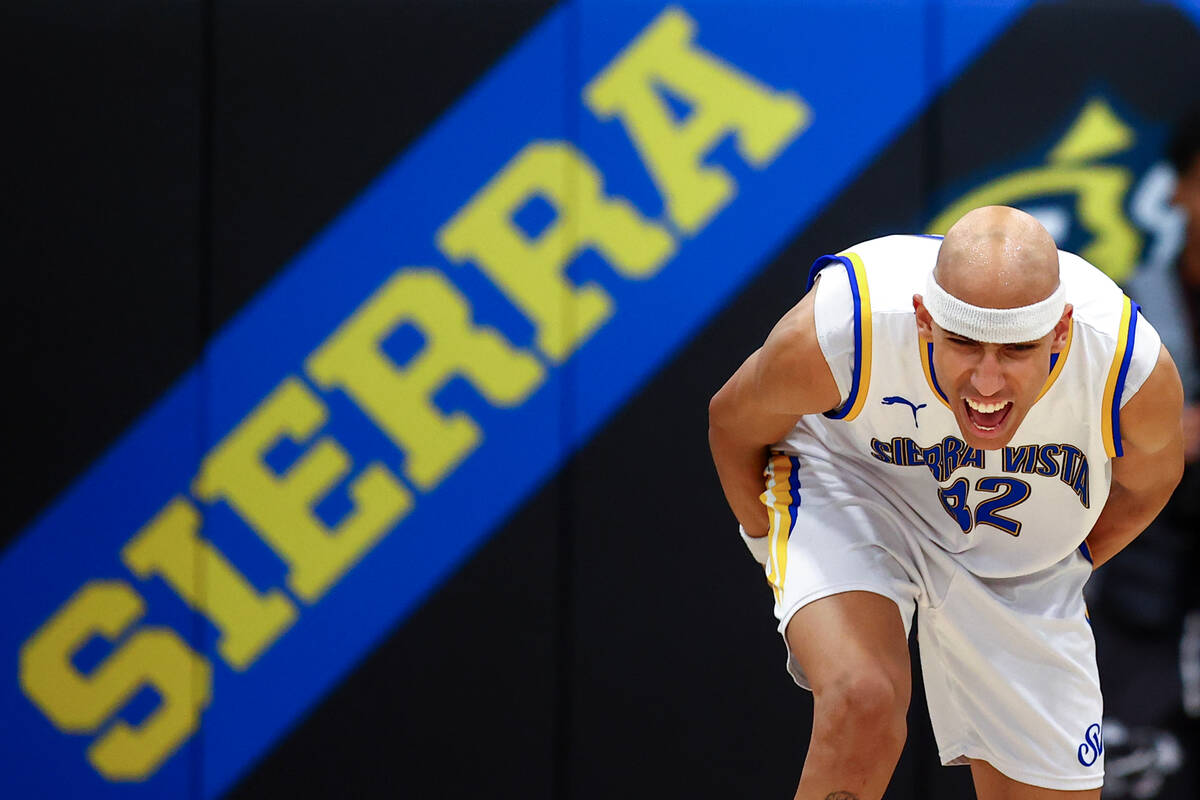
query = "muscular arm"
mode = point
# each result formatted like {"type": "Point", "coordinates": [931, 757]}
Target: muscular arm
{"type": "Point", "coordinates": [780, 382]}
{"type": "Point", "coordinates": [1144, 477]}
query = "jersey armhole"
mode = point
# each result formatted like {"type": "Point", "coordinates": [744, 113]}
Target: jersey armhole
{"type": "Point", "coordinates": [845, 340]}
{"type": "Point", "coordinates": [1145, 357]}
{"type": "Point", "coordinates": [1133, 360]}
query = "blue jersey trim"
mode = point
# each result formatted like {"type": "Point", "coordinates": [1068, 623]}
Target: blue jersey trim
{"type": "Point", "coordinates": [793, 491]}
{"type": "Point", "coordinates": [1134, 310]}
{"type": "Point", "coordinates": [818, 265]}
{"type": "Point", "coordinates": [856, 376]}
{"type": "Point", "coordinates": [933, 373]}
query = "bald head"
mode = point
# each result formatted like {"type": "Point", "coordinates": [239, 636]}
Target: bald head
{"type": "Point", "coordinates": [998, 257]}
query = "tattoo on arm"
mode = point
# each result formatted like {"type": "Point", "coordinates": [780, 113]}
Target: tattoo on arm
{"type": "Point", "coordinates": [841, 796]}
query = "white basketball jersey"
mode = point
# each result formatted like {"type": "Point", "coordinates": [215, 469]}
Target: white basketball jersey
{"type": "Point", "coordinates": [1002, 512]}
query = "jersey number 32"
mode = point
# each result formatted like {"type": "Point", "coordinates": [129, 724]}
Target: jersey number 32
{"type": "Point", "coordinates": [1011, 492]}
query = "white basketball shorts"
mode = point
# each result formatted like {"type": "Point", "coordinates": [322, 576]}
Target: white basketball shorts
{"type": "Point", "coordinates": [1009, 664]}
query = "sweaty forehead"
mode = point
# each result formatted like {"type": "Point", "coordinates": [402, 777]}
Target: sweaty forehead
{"type": "Point", "coordinates": [998, 260]}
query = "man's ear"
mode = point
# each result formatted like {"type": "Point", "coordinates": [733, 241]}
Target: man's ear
{"type": "Point", "coordinates": [1061, 329]}
{"type": "Point", "coordinates": [924, 319]}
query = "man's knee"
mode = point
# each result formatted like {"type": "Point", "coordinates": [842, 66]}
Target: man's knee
{"type": "Point", "coordinates": [853, 649]}
{"type": "Point", "coordinates": [863, 703]}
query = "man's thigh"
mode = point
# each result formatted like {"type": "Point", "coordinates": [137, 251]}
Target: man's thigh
{"type": "Point", "coordinates": [827, 541]}
{"type": "Point", "coordinates": [850, 634]}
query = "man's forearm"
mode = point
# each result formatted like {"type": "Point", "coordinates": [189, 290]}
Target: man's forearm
{"type": "Point", "coordinates": [1126, 514]}
{"type": "Point", "coordinates": [740, 467]}
{"type": "Point", "coordinates": [1144, 477]}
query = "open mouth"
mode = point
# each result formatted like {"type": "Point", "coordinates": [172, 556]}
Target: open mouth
{"type": "Point", "coordinates": [987, 417]}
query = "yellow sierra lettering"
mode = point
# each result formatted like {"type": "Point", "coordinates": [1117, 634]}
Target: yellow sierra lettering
{"type": "Point", "coordinates": [530, 270]}
{"type": "Point", "coordinates": [400, 399]}
{"type": "Point", "coordinates": [724, 101]}
{"type": "Point", "coordinates": [168, 546]}
{"type": "Point", "coordinates": [280, 507]}
{"type": "Point", "coordinates": [530, 273]}
{"type": "Point", "coordinates": [152, 656]}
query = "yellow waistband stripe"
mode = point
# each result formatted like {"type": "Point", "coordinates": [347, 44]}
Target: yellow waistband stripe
{"type": "Point", "coordinates": [782, 498]}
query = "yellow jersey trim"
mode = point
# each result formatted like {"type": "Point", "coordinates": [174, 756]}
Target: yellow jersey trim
{"type": "Point", "coordinates": [861, 379]}
{"type": "Point", "coordinates": [1110, 405]}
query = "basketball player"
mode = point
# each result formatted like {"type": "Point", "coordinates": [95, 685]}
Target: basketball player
{"type": "Point", "coordinates": [964, 427]}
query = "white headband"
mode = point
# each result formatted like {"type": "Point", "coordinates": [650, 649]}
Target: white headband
{"type": "Point", "coordinates": [994, 325]}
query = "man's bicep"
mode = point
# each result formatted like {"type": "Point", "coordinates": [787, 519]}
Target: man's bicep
{"type": "Point", "coordinates": [1150, 421]}
{"type": "Point", "coordinates": [780, 382]}
{"type": "Point", "coordinates": [740, 407]}
{"type": "Point", "coordinates": [791, 374]}
{"type": "Point", "coordinates": [1151, 431]}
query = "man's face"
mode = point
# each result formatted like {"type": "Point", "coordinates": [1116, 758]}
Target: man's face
{"type": "Point", "coordinates": [991, 387]}
{"type": "Point", "coordinates": [1187, 197]}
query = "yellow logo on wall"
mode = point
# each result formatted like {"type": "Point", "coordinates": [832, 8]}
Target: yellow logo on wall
{"type": "Point", "coordinates": [1075, 166]}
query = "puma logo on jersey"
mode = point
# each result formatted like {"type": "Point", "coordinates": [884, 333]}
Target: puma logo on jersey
{"type": "Point", "coordinates": [894, 399]}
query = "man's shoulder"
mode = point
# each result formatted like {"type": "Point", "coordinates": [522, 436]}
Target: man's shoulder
{"type": "Point", "coordinates": [1099, 303]}
{"type": "Point", "coordinates": [895, 268]}
{"type": "Point", "coordinates": [871, 279]}
{"type": "Point", "coordinates": [916, 249]}
{"type": "Point", "coordinates": [1080, 275]}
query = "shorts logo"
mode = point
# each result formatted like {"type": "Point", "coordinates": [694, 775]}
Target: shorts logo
{"type": "Point", "coordinates": [894, 399]}
{"type": "Point", "coordinates": [1093, 745]}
